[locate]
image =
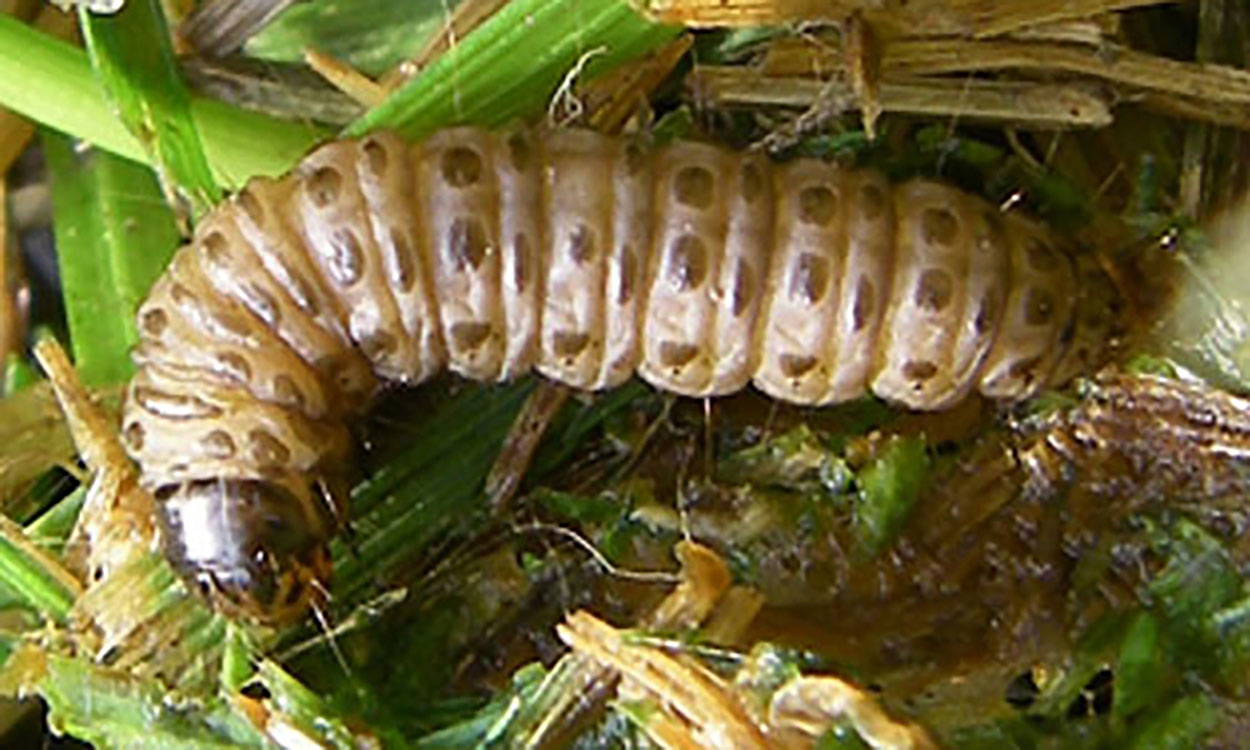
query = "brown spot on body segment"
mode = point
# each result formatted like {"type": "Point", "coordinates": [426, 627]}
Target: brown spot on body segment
{"type": "Point", "coordinates": [174, 406]}
{"type": "Point", "coordinates": [934, 290]}
{"type": "Point", "coordinates": [154, 322]}
{"type": "Point", "coordinates": [235, 366]}
{"type": "Point", "coordinates": [752, 179]}
{"type": "Point", "coordinates": [215, 247]}
{"type": "Point", "coordinates": [582, 245]}
{"type": "Point", "coordinates": [403, 255]}
{"type": "Point", "coordinates": [939, 226]}
{"type": "Point", "coordinates": [470, 336]}
{"type": "Point", "coordinates": [743, 289]}
{"type": "Point", "coordinates": [693, 186]}
{"type": "Point", "coordinates": [466, 243]}
{"type": "Point", "coordinates": [332, 366]}
{"type": "Point", "coordinates": [229, 323]}
{"type": "Point", "coordinates": [628, 274]}
{"type": "Point", "coordinates": [133, 435]}
{"type": "Point", "coordinates": [569, 344]}
{"type": "Point", "coordinates": [1024, 368]}
{"type": "Point", "coordinates": [1039, 307]}
{"type": "Point", "coordinates": [182, 296]}
{"type": "Point", "coordinates": [287, 392]}
{"type": "Point", "coordinates": [985, 313]}
{"type": "Point", "coordinates": [809, 278]}
{"type": "Point", "coordinates": [796, 365]}
{"type": "Point", "coordinates": [919, 370]}
{"type": "Point", "coordinates": [817, 205]}
{"type": "Point", "coordinates": [865, 303]}
{"type": "Point", "coordinates": [377, 344]}
{"type": "Point", "coordinates": [265, 449]}
{"type": "Point", "coordinates": [677, 354]}
{"type": "Point", "coordinates": [520, 261]}
{"type": "Point", "coordinates": [461, 166]}
{"type": "Point", "coordinates": [375, 156]}
{"type": "Point", "coordinates": [687, 263]}
{"type": "Point", "coordinates": [252, 206]}
{"type": "Point", "coordinates": [871, 201]}
{"type": "Point", "coordinates": [218, 444]}
{"type": "Point", "coordinates": [324, 186]}
{"type": "Point", "coordinates": [519, 152]}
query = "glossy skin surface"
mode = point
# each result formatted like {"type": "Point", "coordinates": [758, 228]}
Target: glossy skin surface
{"type": "Point", "coordinates": [588, 259]}
{"type": "Point", "coordinates": [245, 546]}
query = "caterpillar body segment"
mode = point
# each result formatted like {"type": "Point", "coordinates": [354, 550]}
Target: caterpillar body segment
{"type": "Point", "coordinates": [584, 257]}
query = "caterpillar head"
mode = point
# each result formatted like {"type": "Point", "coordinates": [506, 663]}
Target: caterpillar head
{"type": "Point", "coordinates": [248, 545]}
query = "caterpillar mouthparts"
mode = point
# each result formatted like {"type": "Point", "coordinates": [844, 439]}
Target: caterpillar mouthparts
{"type": "Point", "coordinates": [584, 257]}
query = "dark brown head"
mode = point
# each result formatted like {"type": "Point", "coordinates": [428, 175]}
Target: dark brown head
{"type": "Point", "coordinates": [250, 547]}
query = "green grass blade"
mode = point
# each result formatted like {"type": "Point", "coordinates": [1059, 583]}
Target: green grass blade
{"type": "Point", "coordinates": [510, 65]}
{"type": "Point", "coordinates": [133, 59]}
{"type": "Point", "coordinates": [110, 710]}
{"type": "Point", "coordinates": [1183, 724]}
{"type": "Point", "coordinates": [32, 576]}
{"type": "Point", "coordinates": [1141, 667]}
{"type": "Point", "coordinates": [479, 730]}
{"type": "Point", "coordinates": [50, 82]}
{"type": "Point", "coordinates": [504, 70]}
{"type": "Point", "coordinates": [889, 488]}
{"type": "Point", "coordinates": [372, 37]}
{"type": "Point", "coordinates": [436, 484]}
{"type": "Point", "coordinates": [18, 375]}
{"type": "Point", "coordinates": [304, 709]}
{"type": "Point", "coordinates": [53, 527]}
{"type": "Point", "coordinates": [242, 144]}
{"type": "Point", "coordinates": [114, 235]}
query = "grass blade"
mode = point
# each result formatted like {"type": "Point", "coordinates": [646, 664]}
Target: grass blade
{"type": "Point", "coordinates": [114, 235]}
{"type": "Point", "coordinates": [438, 481]}
{"type": "Point", "coordinates": [110, 710]}
{"type": "Point", "coordinates": [34, 577]}
{"type": "Point", "coordinates": [132, 57]}
{"type": "Point", "coordinates": [371, 36]}
{"type": "Point", "coordinates": [50, 82]}
{"type": "Point", "coordinates": [889, 488]}
{"type": "Point", "coordinates": [509, 66]}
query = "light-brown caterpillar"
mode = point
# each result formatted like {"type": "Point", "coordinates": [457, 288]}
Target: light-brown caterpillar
{"type": "Point", "coordinates": [584, 257]}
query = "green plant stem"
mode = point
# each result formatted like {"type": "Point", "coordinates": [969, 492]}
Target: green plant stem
{"type": "Point", "coordinates": [510, 65]}
{"type": "Point", "coordinates": [114, 235]}
{"type": "Point", "coordinates": [32, 576]}
{"type": "Point", "coordinates": [51, 82]}
{"type": "Point", "coordinates": [133, 59]}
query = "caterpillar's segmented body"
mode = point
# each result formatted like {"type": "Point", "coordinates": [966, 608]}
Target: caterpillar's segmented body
{"type": "Point", "coordinates": [584, 257]}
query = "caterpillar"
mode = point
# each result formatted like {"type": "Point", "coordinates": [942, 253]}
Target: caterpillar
{"type": "Point", "coordinates": [584, 257]}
